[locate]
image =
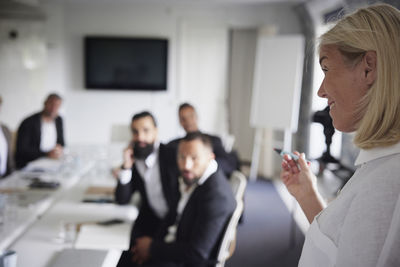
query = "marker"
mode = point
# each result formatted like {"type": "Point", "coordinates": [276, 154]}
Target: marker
{"type": "Point", "coordinates": [293, 156]}
{"type": "Point", "coordinates": [282, 153]}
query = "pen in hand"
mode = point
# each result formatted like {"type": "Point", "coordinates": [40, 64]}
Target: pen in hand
{"type": "Point", "coordinates": [282, 153]}
{"type": "Point", "coordinates": [293, 156]}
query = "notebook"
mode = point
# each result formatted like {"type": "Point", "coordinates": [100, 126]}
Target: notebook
{"type": "Point", "coordinates": [86, 258]}
{"type": "Point", "coordinates": [95, 236]}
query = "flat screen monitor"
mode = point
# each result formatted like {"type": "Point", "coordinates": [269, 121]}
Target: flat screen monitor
{"type": "Point", "coordinates": [124, 63]}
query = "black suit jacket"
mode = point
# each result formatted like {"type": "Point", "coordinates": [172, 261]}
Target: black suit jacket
{"type": "Point", "coordinates": [10, 159]}
{"type": "Point", "coordinates": [147, 222]}
{"type": "Point", "coordinates": [226, 162]}
{"type": "Point", "coordinates": [28, 139]}
{"type": "Point", "coordinates": [200, 227]}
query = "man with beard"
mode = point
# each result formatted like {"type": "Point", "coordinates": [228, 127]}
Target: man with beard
{"type": "Point", "coordinates": [191, 239]}
{"type": "Point", "coordinates": [41, 135]}
{"type": "Point", "coordinates": [149, 168]}
{"type": "Point", "coordinates": [188, 119]}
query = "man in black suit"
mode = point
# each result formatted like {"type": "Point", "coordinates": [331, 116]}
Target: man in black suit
{"type": "Point", "coordinates": [191, 239]}
{"type": "Point", "coordinates": [149, 168]}
{"type": "Point", "coordinates": [227, 162]}
{"type": "Point", "coordinates": [6, 160]}
{"type": "Point", "coordinates": [41, 135]}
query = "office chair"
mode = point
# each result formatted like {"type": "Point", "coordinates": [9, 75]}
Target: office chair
{"type": "Point", "coordinates": [227, 141]}
{"type": "Point", "coordinates": [227, 246]}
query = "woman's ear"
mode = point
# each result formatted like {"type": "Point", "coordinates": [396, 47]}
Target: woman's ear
{"type": "Point", "coordinates": [370, 62]}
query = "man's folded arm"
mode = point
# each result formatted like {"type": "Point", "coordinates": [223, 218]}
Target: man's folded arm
{"type": "Point", "coordinates": [205, 233]}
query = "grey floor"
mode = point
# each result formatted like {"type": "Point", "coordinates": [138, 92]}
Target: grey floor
{"type": "Point", "coordinates": [267, 235]}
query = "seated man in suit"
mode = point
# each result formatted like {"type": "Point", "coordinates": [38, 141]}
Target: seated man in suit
{"type": "Point", "coordinates": [149, 168]}
{"type": "Point", "coordinates": [190, 236]}
{"type": "Point", "coordinates": [228, 162]}
{"type": "Point", "coordinates": [42, 134]}
{"type": "Point", "coordinates": [6, 160]}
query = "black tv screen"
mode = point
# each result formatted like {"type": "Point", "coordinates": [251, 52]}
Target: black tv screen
{"type": "Point", "coordinates": [125, 63]}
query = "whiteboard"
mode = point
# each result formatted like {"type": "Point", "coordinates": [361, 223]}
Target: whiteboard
{"type": "Point", "coordinates": [277, 82]}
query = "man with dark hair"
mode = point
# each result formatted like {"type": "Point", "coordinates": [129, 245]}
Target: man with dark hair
{"type": "Point", "coordinates": [42, 134]}
{"type": "Point", "coordinates": [149, 168]}
{"type": "Point", "coordinates": [6, 160]}
{"type": "Point", "coordinates": [228, 162]}
{"type": "Point", "coordinates": [190, 235]}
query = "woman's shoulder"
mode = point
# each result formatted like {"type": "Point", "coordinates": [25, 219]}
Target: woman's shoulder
{"type": "Point", "coordinates": [383, 171]}
{"type": "Point", "coordinates": [378, 183]}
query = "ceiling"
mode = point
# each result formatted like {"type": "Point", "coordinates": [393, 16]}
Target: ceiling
{"type": "Point", "coordinates": [32, 9]}
{"type": "Point", "coordinates": [188, 1]}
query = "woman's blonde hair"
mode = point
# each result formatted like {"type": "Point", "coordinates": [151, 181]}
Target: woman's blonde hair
{"type": "Point", "coordinates": [374, 28]}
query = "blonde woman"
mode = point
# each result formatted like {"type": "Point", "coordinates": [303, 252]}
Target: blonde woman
{"type": "Point", "coordinates": [360, 57]}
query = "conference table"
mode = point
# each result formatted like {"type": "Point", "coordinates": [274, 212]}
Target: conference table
{"type": "Point", "coordinates": [72, 222]}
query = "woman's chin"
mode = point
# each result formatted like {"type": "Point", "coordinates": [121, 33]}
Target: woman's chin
{"type": "Point", "coordinates": [345, 128]}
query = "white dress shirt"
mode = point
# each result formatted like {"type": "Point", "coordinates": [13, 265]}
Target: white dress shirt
{"type": "Point", "coordinates": [3, 153]}
{"type": "Point", "coordinates": [185, 196]}
{"type": "Point", "coordinates": [48, 137]}
{"type": "Point", "coordinates": [361, 227]}
{"type": "Point", "coordinates": [149, 169]}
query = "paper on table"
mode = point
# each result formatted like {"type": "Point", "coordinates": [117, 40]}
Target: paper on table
{"type": "Point", "coordinates": [80, 258]}
{"type": "Point", "coordinates": [93, 236]}
{"type": "Point", "coordinates": [112, 258]}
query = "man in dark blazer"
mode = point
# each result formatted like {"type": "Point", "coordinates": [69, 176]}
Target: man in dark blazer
{"type": "Point", "coordinates": [227, 162]}
{"type": "Point", "coordinates": [42, 134]}
{"type": "Point", "coordinates": [149, 168]}
{"type": "Point", "coordinates": [205, 206]}
{"type": "Point", "coordinates": [6, 159]}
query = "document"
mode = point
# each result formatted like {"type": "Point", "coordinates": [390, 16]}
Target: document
{"type": "Point", "coordinates": [94, 236]}
{"type": "Point", "coordinates": [86, 258]}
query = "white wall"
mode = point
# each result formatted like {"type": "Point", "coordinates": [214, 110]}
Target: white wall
{"type": "Point", "coordinates": [199, 45]}
{"type": "Point", "coordinates": [91, 114]}
{"type": "Point", "coordinates": [23, 90]}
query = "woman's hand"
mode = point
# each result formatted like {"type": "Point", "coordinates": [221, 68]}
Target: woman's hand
{"type": "Point", "coordinates": [302, 184]}
{"type": "Point", "coordinates": [297, 176]}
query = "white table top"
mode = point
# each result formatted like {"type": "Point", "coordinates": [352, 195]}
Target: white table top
{"type": "Point", "coordinates": [43, 237]}
{"type": "Point", "coordinates": [25, 206]}
{"type": "Point", "coordinates": [34, 231]}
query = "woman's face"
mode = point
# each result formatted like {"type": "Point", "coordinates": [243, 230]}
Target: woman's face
{"type": "Point", "coordinates": [343, 86]}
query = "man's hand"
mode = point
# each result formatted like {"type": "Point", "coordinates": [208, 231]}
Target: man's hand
{"type": "Point", "coordinates": [128, 158]}
{"type": "Point", "coordinates": [115, 172]}
{"type": "Point", "coordinates": [56, 152]}
{"type": "Point", "coordinates": [141, 250]}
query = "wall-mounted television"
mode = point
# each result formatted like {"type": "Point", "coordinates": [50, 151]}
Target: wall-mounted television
{"type": "Point", "coordinates": [125, 63]}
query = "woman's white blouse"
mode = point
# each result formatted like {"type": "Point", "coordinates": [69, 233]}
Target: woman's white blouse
{"type": "Point", "coordinates": [361, 227]}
